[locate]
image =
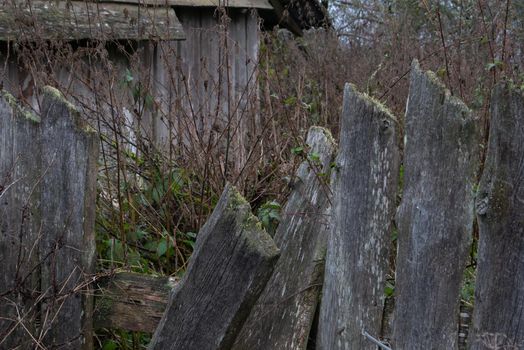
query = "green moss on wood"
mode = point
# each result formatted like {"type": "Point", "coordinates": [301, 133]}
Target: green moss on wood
{"type": "Point", "coordinates": [371, 101]}
{"type": "Point", "coordinates": [324, 131]}
{"type": "Point", "coordinates": [257, 239]}
{"type": "Point", "coordinates": [21, 111]}
{"type": "Point", "coordinates": [55, 95]}
{"type": "Point", "coordinates": [465, 112]}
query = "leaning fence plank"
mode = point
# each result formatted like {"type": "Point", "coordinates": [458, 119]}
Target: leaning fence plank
{"type": "Point", "coordinates": [283, 315]}
{"type": "Point", "coordinates": [232, 262]}
{"type": "Point", "coordinates": [435, 217]}
{"type": "Point", "coordinates": [19, 204]}
{"type": "Point", "coordinates": [363, 209]}
{"type": "Point", "coordinates": [498, 317]}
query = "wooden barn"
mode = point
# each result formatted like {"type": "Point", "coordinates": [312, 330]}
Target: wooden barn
{"type": "Point", "coordinates": [172, 71]}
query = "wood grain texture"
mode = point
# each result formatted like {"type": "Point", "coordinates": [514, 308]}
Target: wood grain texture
{"type": "Point", "coordinates": [232, 262]}
{"type": "Point", "coordinates": [74, 20]}
{"type": "Point", "coordinates": [283, 315]}
{"type": "Point", "coordinates": [20, 155]}
{"type": "Point", "coordinates": [499, 296]}
{"type": "Point", "coordinates": [363, 208]}
{"type": "Point", "coordinates": [435, 217]}
{"type": "Point", "coordinates": [47, 240]}
{"type": "Point", "coordinates": [68, 196]}
{"type": "Point", "coordinates": [131, 301]}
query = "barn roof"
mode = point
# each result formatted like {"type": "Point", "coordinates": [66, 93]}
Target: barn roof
{"type": "Point", "coordinates": [75, 20]}
{"type": "Point", "coordinates": [136, 19]}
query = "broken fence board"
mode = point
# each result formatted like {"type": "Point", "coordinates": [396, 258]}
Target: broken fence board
{"type": "Point", "coordinates": [283, 315]}
{"type": "Point", "coordinates": [131, 301]}
{"type": "Point", "coordinates": [498, 316]}
{"type": "Point", "coordinates": [435, 216]}
{"type": "Point", "coordinates": [232, 262]}
{"type": "Point", "coordinates": [363, 208]}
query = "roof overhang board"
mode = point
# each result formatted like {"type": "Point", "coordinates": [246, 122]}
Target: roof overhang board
{"type": "Point", "coordinates": [75, 20]}
{"type": "Point", "coordinates": [257, 4]}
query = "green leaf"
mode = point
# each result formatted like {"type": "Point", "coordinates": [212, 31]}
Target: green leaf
{"type": "Point", "coordinates": [493, 65]}
{"type": "Point", "coordinates": [290, 101]}
{"type": "Point", "coordinates": [191, 234]}
{"type": "Point", "coordinates": [314, 157]}
{"type": "Point", "coordinates": [110, 345]}
{"type": "Point", "coordinates": [151, 246]}
{"type": "Point", "coordinates": [161, 249]}
{"type": "Point", "coordinates": [297, 150]}
{"type": "Point", "coordinates": [189, 243]}
{"type": "Point", "coordinates": [128, 76]}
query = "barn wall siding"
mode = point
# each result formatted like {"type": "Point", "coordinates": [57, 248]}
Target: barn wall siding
{"type": "Point", "coordinates": [203, 89]}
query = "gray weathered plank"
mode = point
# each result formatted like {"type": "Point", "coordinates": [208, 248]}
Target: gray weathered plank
{"type": "Point", "coordinates": [73, 20]}
{"type": "Point", "coordinates": [232, 262]}
{"type": "Point", "coordinates": [68, 194]}
{"type": "Point", "coordinates": [283, 315]}
{"type": "Point", "coordinates": [363, 209]}
{"type": "Point", "coordinates": [499, 294]}
{"type": "Point", "coordinates": [131, 301]}
{"type": "Point", "coordinates": [20, 155]}
{"type": "Point", "coordinates": [435, 217]}
{"type": "Point", "coordinates": [47, 224]}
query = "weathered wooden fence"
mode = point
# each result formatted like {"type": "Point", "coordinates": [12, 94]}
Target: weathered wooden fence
{"type": "Point", "coordinates": [246, 290]}
{"type": "Point", "coordinates": [47, 212]}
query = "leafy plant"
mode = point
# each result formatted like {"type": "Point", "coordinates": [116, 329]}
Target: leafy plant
{"type": "Point", "coordinates": [269, 216]}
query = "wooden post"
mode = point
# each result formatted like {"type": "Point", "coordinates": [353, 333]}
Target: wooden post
{"type": "Point", "coordinates": [51, 226]}
{"type": "Point", "coordinates": [435, 217]}
{"type": "Point", "coordinates": [364, 205]}
{"type": "Point", "coordinates": [284, 313]}
{"type": "Point", "coordinates": [232, 262]}
{"type": "Point", "coordinates": [498, 317]}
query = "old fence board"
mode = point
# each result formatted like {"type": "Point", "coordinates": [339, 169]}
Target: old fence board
{"type": "Point", "coordinates": [363, 209]}
{"type": "Point", "coordinates": [131, 301]}
{"type": "Point", "coordinates": [435, 217]}
{"type": "Point", "coordinates": [20, 154]}
{"type": "Point", "coordinates": [283, 315]}
{"type": "Point", "coordinates": [498, 317]}
{"type": "Point", "coordinates": [232, 262]}
{"type": "Point", "coordinates": [47, 224]}
{"type": "Point", "coordinates": [68, 194]}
